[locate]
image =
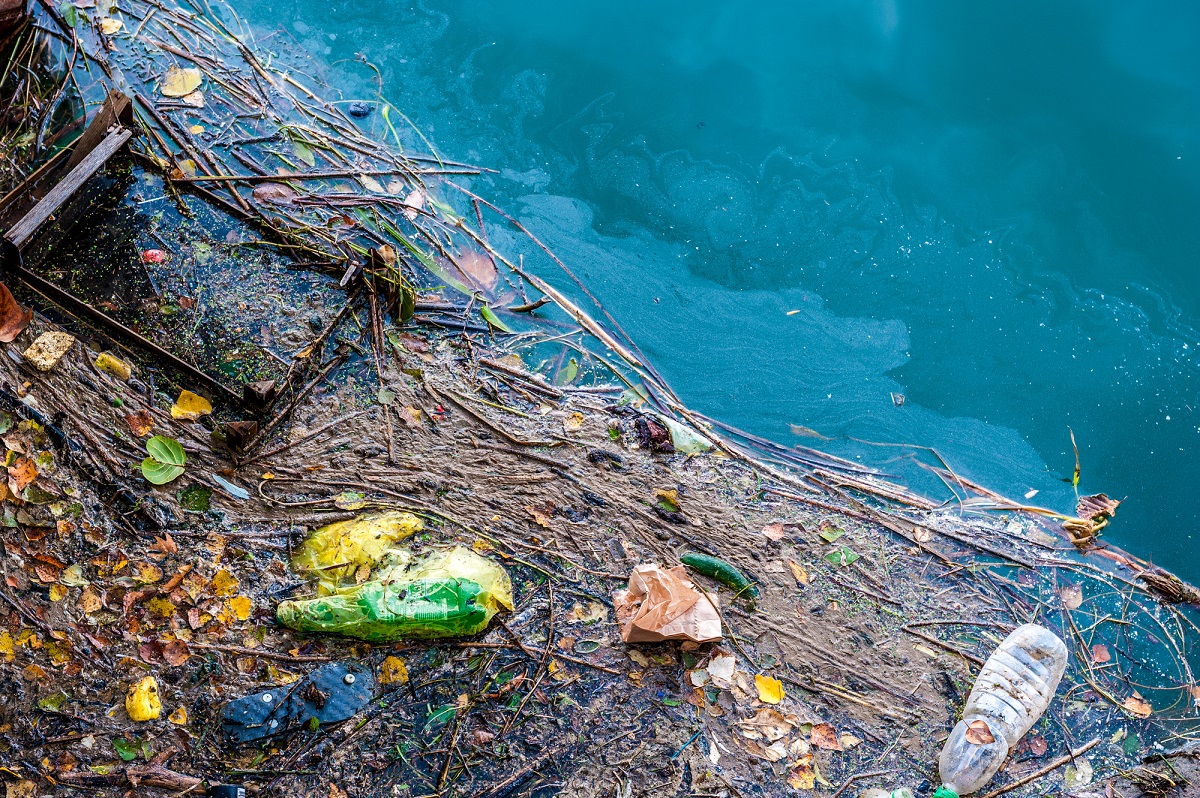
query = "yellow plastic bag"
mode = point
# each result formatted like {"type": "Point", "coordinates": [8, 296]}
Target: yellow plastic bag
{"type": "Point", "coordinates": [334, 552]}
{"type": "Point", "coordinates": [440, 594]}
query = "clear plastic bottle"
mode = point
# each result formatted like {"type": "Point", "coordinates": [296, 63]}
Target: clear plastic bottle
{"type": "Point", "coordinates": [901, 792]}
{"type": "Point", "coordinates": [1013, 689]}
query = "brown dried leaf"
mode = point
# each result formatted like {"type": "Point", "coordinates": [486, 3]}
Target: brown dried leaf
{"type": "Point", "coordinates": [1096, 508]}
{"type": "Point", "coordinates": [276, 193]}
{"type": "Point", "coordinates": [176, 653]}
{"type": "Point", "coordinates": [773, 532]}
{"type": "Point", "coordinates": [164, 545]}
{"type": "Point", "coordinates": [1100, 654]}
{"type": "Point", "coordinates": [479, 267]}
{"type": "Point", "coordinates": [978, 733]}
{"type": "Point", "coordinates": [1037, 745]}
{"type": "Point", "coordinates": [1138, 706]}
{"type": "Point", "coordinates": [1072, 596]}
{"type": "Point", "coordinates": [13, 317]}
{"type": "Point", "coordinates": [823, 735]}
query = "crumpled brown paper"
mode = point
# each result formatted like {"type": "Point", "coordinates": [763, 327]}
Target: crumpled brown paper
{"type": "Point", "coordinates": [664, 605]}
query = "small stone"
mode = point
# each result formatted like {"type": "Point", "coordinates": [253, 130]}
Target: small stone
{"type": "Point", "coordinates": [358, 109]}
{"type": "Point", "coordinates": [48, 349]}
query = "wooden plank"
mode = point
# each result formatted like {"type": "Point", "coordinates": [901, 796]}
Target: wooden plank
{"type": "Point", "coordinates": [20, 233]}
{"type": "Point", "coordinates": [117, 111]}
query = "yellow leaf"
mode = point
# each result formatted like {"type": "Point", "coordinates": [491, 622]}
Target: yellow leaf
{"type": "Point", "coordinates": [770, 689]}
{"type": "Point", "coordinates": [195, 99]}
{"type": "Point", "coordinates": [178, 717]}
{"type": "Point", "coordinates": [241, 606]}
{"type": "Point", "coordinates": [161, 606]}
{"type": "Point", "coordinates": [6, 646]}
{"type": "Point", "coordinates": [393, 671]}
{"type": "Point", "coordinates": [147, 573]}
{"type": "Point", "coordinates": [224, 584]}
{"type": "Point", "coordinates": [142, 701]}
{"type": "Point", "coordinates": [190, 406]}
{"type": "Point", "coordinates": [110, 363]}
{"type": "Point", "coordinates": [798, 572]}
{"type": "Point", "coordinates": [573, 422]}
{"type": "Point", "coordinates": [196, 130]}
{"type": "Point", "coordinates": [109, 26]}
{"type": "Point", "coordinates": [58, 592]}
{"type": "Point", "coordinates": [180, 82]}
{"type": "Point", "coordinates": [802, 776]}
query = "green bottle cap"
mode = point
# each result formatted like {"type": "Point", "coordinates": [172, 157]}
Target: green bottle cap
{"type": "Point", "coordinates": [945, 792]}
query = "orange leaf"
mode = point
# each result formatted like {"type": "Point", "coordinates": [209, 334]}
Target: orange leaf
{"type": "Point", "coordinates": [823, 735]}
{"type": "Point", "coordinates": [22, 472]}
{"type": "Point", "coordinates": [140, 423]}
{"type": "Point", "coordinates": [1100, 654]}
{"type": "Point", "coordinates": [1138, 706]}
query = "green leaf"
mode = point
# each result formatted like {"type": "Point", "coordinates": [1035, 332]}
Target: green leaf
{"type": "Point", "coordinates": [1132, 745]}
{"type": "Point", "coordinates": [386, 396]}
{"type": "Point", "coordinates": [567, 374]}
{"type": "Point", "coordinates": [127, 749]}
{"type": "Point", "coordinates": [670, 702]}
{"type": "Point", "coordinates": [53, 702]}
{"type": "Point", "coordinates": [492, 319]}
{"type": "Point", "coordinates": [314, 724]}
{"type": "Point", "coordinates": [165, 462]}
{"type": "Point", "coordinates": [304, 152]}
{"type": "Point", "coordinates": [349, 500]}
{"type": "Point", "coordinates": [831, 534]}
{"type": "Point", "coordinates": [69, 14]}
{"type": "Point", "coordinates": [440, 716]}
{"type": "Point", "coordinates": [34, 494]}
{"type": "Point", "coordinates": [195, 498]}
{"type": "Point", "coordinates": [587, 646]}
{"type": "Point", "coordinates": [842, 556]}
{"type": "Point", "coordinates": [408, 301]}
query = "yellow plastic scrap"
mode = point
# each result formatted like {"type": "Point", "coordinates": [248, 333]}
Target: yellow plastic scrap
{"type": "Point", "coordinates": [142, 702]}
{"type": "Point", "coordinates": [336, 551]}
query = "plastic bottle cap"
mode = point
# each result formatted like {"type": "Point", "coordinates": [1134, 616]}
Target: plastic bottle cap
{"type": "Point", "coordinates": [945, 792]}
{"type": "Point", "coordinates": [226, 791]}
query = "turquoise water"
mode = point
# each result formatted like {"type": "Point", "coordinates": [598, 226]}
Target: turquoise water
{"type": "Point", "coordinates": [992, 209]}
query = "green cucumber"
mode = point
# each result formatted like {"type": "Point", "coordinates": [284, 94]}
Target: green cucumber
{"type": "Point", "coordinates": [721, 571]}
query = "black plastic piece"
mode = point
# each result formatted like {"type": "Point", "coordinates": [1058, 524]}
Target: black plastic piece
{"type": "Point", "coordinates": [330, 694]}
